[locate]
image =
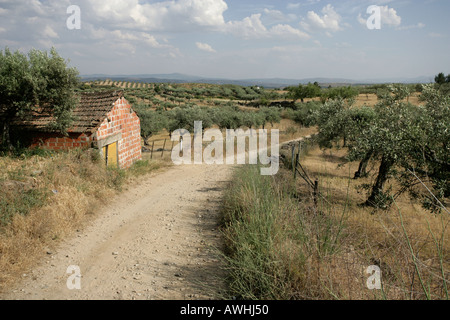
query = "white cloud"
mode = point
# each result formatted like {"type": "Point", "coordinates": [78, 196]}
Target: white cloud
{"type": "Point", "coordinates": [121, 27]}
{"type": "Point", "coordinates": [420, 25]}
{"type": "Point", "coordinates": [286, 31]}
{"type": "Point", "coordinates": [205, 47]}
{"type": "Point", "coordinates": [188, 15]}
{"type": "Point", "coordinates": [361, 20]}
{"type": "Point", "coordinates": [253, 28]}
{"type": "Point", "coordinates": [49, 32]}
{"type": "Point", "coordinates": [436, 35]}
{"type": "Point", "coordinates": [278, 16]}
{"type": "Point", "coordinates": [249, 27]}
{"type": "Point", "coordinates": [330, 20]}
{"type": "Point", "coordinates": [293, 6]}
{"type": "Point", "coordinates": [275, 14]}
{"type": "Point", "coordinates": [161, 16]}
{"type": "Point", "coordinates": [390, 17]}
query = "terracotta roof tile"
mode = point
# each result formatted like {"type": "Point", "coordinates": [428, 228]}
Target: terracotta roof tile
{"type": "Point", "coordinates": [88, 114]}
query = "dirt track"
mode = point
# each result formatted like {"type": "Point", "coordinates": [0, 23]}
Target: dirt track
{"type": "Point", "coordinates": [156, 241]}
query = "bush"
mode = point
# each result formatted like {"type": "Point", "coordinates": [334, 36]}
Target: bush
{"type": "Point", "coordinates": [305, 113]}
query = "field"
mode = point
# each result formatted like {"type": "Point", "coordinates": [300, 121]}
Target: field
{"type": "Point", "coordinates": [281, 239]}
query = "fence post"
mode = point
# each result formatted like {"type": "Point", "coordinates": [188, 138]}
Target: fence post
{"type": "Point", "coordinates": [162, 153]}
{"type": "Point", "coordinates": [292, 158]}
{"type": "Point", "coordinates": [295, 167]}
{"type": "Point", "coordinates": [299, 149]}
{"type": "Point", "coordinates": [153, 145]}
{"type": "Point", "coordinates": [316, 191]}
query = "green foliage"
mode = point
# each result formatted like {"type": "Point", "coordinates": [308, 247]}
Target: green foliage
{"type": "Point", "coordinates": [271, 115]}
{"type": "Point", "coordinates": [227, 118]}
{"type": "Point", "coordinates": [443, 83]}
{"type": "Point", "coordinates": [346, 93]}
{"type": "Point", "coordinates": [269, 238]}
{"type": "Point", "coordinates": [441, 78]}
{"type": "Point", "coordinates": [305, 113]}
{"type": "Point", "coordinates": [252, 266]}
{"type": "Point", "coordinates": [403, 137]}
{"type": "Point", "coordinates": [184, 118]}
{"type": "Point", "coordinates": [303, 92]}
{"type": "Point", "coordinates": [151, 122]}
{"type": "Point", "coordinates": [37, 80]}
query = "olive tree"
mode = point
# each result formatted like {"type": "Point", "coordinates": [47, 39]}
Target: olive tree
{"type": "Point", "coordinates": [405, 138]}
{"type": "Point", "coordinates": [410, 143]}
{"type": "Point", "coordinates": [271, 115]}
{"type": "Point", "coordinates": [152, 122]}
{"type": "Point", "coordinates": [28, 82]}
{"type": "Point", "coordinates": [303, 92]}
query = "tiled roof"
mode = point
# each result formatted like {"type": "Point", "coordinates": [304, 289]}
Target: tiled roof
{"type": "Point", "coordinates": [88, 114]}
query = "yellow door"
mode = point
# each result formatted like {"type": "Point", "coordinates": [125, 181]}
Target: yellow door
{"type": "Point", "coordinates": [110, 155]}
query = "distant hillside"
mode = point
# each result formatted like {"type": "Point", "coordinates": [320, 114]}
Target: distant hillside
{"type": "Point", "coordinates": [267, 83]}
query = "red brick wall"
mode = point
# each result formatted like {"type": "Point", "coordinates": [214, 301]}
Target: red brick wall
{"type": "Point", "coordinates": [55, 141]}
{"type": "Point", "coordinates": [121, 119]}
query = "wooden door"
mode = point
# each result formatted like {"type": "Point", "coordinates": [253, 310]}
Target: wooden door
{"type": "Point", "coordinates": [110, 155]}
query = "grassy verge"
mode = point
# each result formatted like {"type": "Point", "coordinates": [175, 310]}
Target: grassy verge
{"type": "Point", "coordinates": [47, 196]}
{"type": "Point", "coordinates": [279, 245]}
{"type": "Point", "coordinates": [273, 247]}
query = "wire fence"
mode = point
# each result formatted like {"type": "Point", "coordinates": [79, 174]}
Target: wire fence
{"type": "Point", "coordinates": [155, 147]}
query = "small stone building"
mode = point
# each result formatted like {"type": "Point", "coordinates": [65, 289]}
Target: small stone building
{"type": "Point", "coordinates": [102, 120]}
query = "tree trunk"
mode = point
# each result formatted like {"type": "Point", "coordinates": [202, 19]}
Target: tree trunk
{"type": "Point", "coordinates": [377, 189]}
{"type": "Point", "coordinates": [6, 136]}
{"type": "Point", "coordinates": [362, 169]}
{"type": "Point", "coordinates": [146, 141]}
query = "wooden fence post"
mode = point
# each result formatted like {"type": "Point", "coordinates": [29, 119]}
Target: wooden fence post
{"type": "Point", "coordinates": [153, 145]}
{"type": "Point", "coordinates": [162, 153]}
{"type": "Point", "coordinates": [316, 191]}
{"type": "Point", "coordinates": [293, 158]}
{"type": "Point", "coordinates": [299, 149]}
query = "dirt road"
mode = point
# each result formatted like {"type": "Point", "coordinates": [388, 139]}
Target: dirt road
{"type": "Point", "coordinates": [155, 241]}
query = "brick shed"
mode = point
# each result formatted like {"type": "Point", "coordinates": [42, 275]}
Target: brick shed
{"type": "Point", "coordinates": [103, 120]}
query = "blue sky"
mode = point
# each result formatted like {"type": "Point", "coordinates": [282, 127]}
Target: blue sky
{"type": "Point", "coordinates": [237, 38]}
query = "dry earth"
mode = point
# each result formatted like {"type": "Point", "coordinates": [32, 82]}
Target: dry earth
{"type": "Point", "coordinates": [159, 240]}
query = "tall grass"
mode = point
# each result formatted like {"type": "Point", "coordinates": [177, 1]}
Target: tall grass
{"type": "Point", "coordinates": [272, 244]}
{"type": "Point", "coordinates": [280, 245]}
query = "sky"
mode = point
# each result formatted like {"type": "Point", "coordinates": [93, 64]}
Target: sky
{"type": "Point", "coordinates": [236, 39]}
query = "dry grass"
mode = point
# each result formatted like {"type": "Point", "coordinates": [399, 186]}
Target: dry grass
{"type": "Point", "coordinates": [371, 99]}
{"type": "Point", "coordinates": [281, 246]}
{"type": "Point", "coordinates": [377, 237]}
{"type": "Point", "coordinates": [76, 185]}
